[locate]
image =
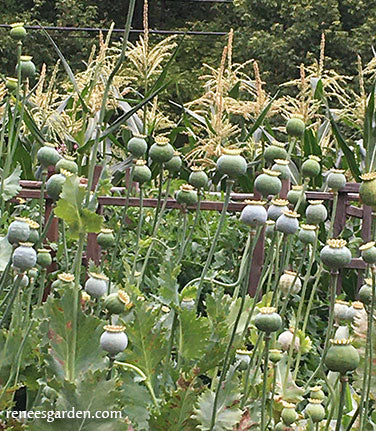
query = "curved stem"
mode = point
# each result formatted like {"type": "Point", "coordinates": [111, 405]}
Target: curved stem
{"type": "Point", "coordinates": [45, 229]}
{"type": "Point", "coordinates": [41, 286]}
{"type": "Point", "coordinates": [160, 188]}
{"type": "Point", "coordinates": [334, 210]}
{"type": "Point", "coordinates": [12, 294]}
{"type": "Point", "coordinates": [5, 273]}
{"type": "Point", "coordinates": [264, 382]}
{"type": "Point", "coordinates": [229, 185]}
{"type": "Point", "coordinates": [249, 367]}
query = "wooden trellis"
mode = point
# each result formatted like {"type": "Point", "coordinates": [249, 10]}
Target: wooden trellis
{"type": "Point", "coordinates": [345, 209]}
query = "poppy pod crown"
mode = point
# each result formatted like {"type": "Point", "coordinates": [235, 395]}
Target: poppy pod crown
{"type": "Point", "coordinates": [114, 328]}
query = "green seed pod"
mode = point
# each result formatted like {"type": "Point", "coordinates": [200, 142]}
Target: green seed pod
{"type": "Point", "coordinates": [335, 254]}
{"type": "Point", "coordinates": [18, 31]}
{"type": "Point", "coordinates": [106, 238]}
{"type": "Point", "coordinates": [54, 186]}
{"type": "Point", "coordinates": [368, 252]}
{"type": "Point", "coordinates": [316, 212]}
{"type": "Point", "coordinates": [48, 155]}
{"type": "Point", "coordinates": [44, 258]}
{"type": "Point", "coordinates": [294, 195]}
{"type": "Point", "coordinates": [315, 411]}
{"type": "Point", "coordinates": [355, 310]}
{"type": "Point", "coordinates": [96, 285]}
{"type": "Point", "coordinates": [34, 232]}
{"type": "Point", "coordinates": [276, 208]}
{"type": "Point", "coordinates": [114, 340]}
{"type": "Point", "coordinates": [288, 414]}
{"type": "Point", "coordinates": [244, 358]}
{"type": "Point", "coordinates": [367, 190]}
{"type": "Point", "coordinates": [174, 164]}
{"type": "Point", "coordinates": [24, 256]}
{"type": "Point", "coordinates": [311, 168]}
{"type": "Point", "coordinates": [33, 273]}
{"type": "Point", "coordinates": [270, 228]}
{"type": "Point", "coordinates": [288, 222]}
{"type": "Point", "coordinates": [282, 166]}
{"type": "Point", "coordinates": [275, 355]}
{"type": "Point", "coordinates": [282, 427]}
{"type": "Point", "coordinates": [231, 163]}
{"type": "Point", "coordinates": [68, 163]}
{"type": "Point", "coordinates": [11, 83]}
{"type": "Point", "coordinates": [365, 292]}
{"type": "Point", "coordinates": [289, 283]}
{"type": "Point", "coordinates": [137, 146]}
{"type": "Point", "coordinates": [64, 280]}
{"type": "Point", "coordinates": [198, 178]}
{"type": "Point", "coordinates": [275, 151]}
{"type": "Point", "coordinates": [268, 320]}
{"type": "Point", "coordinates": [161, 151]}
{"type": "Point", "coordinates": [118, 302]}
{"type": "Point", "coordinates": [340, 310]}
{"type": "Point", "coordinates": [268, 183]}
{"type": "Point", "coordinates": [336, 180]}
{"type": "Point", "coordinates": [187, 195]}
{"type": "Point", "coordinates": [342, 357]}
{"type": "Point", "coordinates": [18, 231]}
{"type": "Point", "coordinates": [141, 172]}
{"type": "Point", "coordinates": [317, 393]}
{"type": "Point", "coordinates": [187, 304]}
{"type": "Point", "coordinates": [253, 214]}
{"type": "Point", "coordinates": [295, 127]}
{"type": "Point", "coordinates": [307, 234]}
{"type": "Point", "coordinates": [27, 67]}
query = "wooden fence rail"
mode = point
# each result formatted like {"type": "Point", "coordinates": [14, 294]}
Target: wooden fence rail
{"type": "Point", "coordinates": [345, 209]}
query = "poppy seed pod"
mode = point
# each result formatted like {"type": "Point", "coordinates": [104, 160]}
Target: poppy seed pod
{"type": "Point", "coordinates": [288, 222]}
{"type": "Point", "coordinates": [54, 186]}
{"type": "Point", "coordinates": [106, 238]}
{"type": "Point", "coordinates": [288, 414]}
{"type": "Point", "coordinates": [276, 208]}
{"type": "Point", "coordinates": [295, 194]}
{"type": "Point", "coordinates": [307, 233]}
{"type": "Point", "coordinates": [254, 214]}
{"type": "Point", "coordinates": [285, 339]}
{"type": "Point", "coordinates": [282, 166]}
{"type": "Point", "coordinates": [342, 357]}
{"type": "Point", "coordinates": [141, 172]}
{"type": "Point", "coordinates": [198, 178]}
{"type": "Point", "coordinates": [368, 252]}
{"type": "Point", "coordinates": [316, 393]}
{"type": "Point", "coordinates": [118, 302]}
{"type": "Point", "coordinates": [11, 83]}
{"type": "Point", "coordinates": [340, 310]}
{"type": "Point", "coordinates": [96, 285]}
{"type": "Point", "coordinates": [244, 358]}
{"type": "Point", "coordinates": [187, 304]}
{"type": "Point", "coordinates": [295, 127]}
{"type": "Point", "coordinates": [275, 355]}
{"type": "Point", "coordinates": [367, 190]}
{"type": "Point", "coordinates": [268, 183]}
{"type": "Point", "coordinates": [336, 180]}
{"type": "Point", "coordinates": [114, 340]}
{"type": "Point", "coordinates": [161, 151]}
{"type": "Point", "coordinates": [18, 31]}
{"type": "Point", "coordinates": [289, 283]}
{"type": "Point", "coordinates": [24, 256]}
{"type": "Point", "coordinates": [316, 212]}
{"type": "Point", "coordinates": [137, 146]}
{"type": "Point", "coordinates": [231, 163]}
{"type": "Point", "coordinates": [355, 310]}
{"type": "Point", "coordinates": [187, 195]}
{"type": "Point", "coordinates": [48, 155]}
{"type": "Point", "coordinates": [315, 410]}
{"type": "Point", "coordinates": [68, 163]}
{"type": "Point", "coordinates": [275, 151]}
{"type": "Point", "coordinates": [34, 231]}
{"type": "Point", "coordinates": [335, 254]}
{"type": "Point", "coordinates": [44, 258]}
{"type": "Point", "coordinates": [174, 164]}
{"type": "Point", "coordinates": [270, 228]}
{"type": "Point", "coordinates": [365, 292]}
{"type": "Point", "coordinates": [311, 167]}
{"type": "Point", "coordinates": [64, 280]}
{"type": "Point", "coordinates": [268, 320]}
{"type": "Point", "coordinates": [27, 67]}
{"type": "Point", "coordinates": [24, 281]}
{"type": "Point", "coordinates": [18, 231]}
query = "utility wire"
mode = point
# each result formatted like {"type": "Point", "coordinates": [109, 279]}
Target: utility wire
{"type": "Point", "coordinates": [119, 30]}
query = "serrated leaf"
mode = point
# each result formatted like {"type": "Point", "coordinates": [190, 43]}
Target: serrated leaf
{"type": "Point", "coordinates": [89, 355]}
{"type": "Point", "coordinates": [12, 184]}
{"type": "Point", "coordinates": [227, 413]}
{"type": "Point", "coordinates": [167, 278]}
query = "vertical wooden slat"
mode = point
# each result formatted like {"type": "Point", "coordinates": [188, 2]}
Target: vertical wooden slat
{"type": "Point", "coordinates": [285, 188]}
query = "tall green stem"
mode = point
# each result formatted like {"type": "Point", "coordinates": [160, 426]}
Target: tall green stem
{"type": "Point", "coordinates": [139, 228]}
{"type": "Point", "coordinates": [333, 217]}
{"type": "Point", "coordinates": [264, 382]}
{"type": "Point", "coordinates": [222, 218]}
{"type": "Point", "coordinates": [41, 200]}
{"type": "Point", "coordinates": [343, 380]}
